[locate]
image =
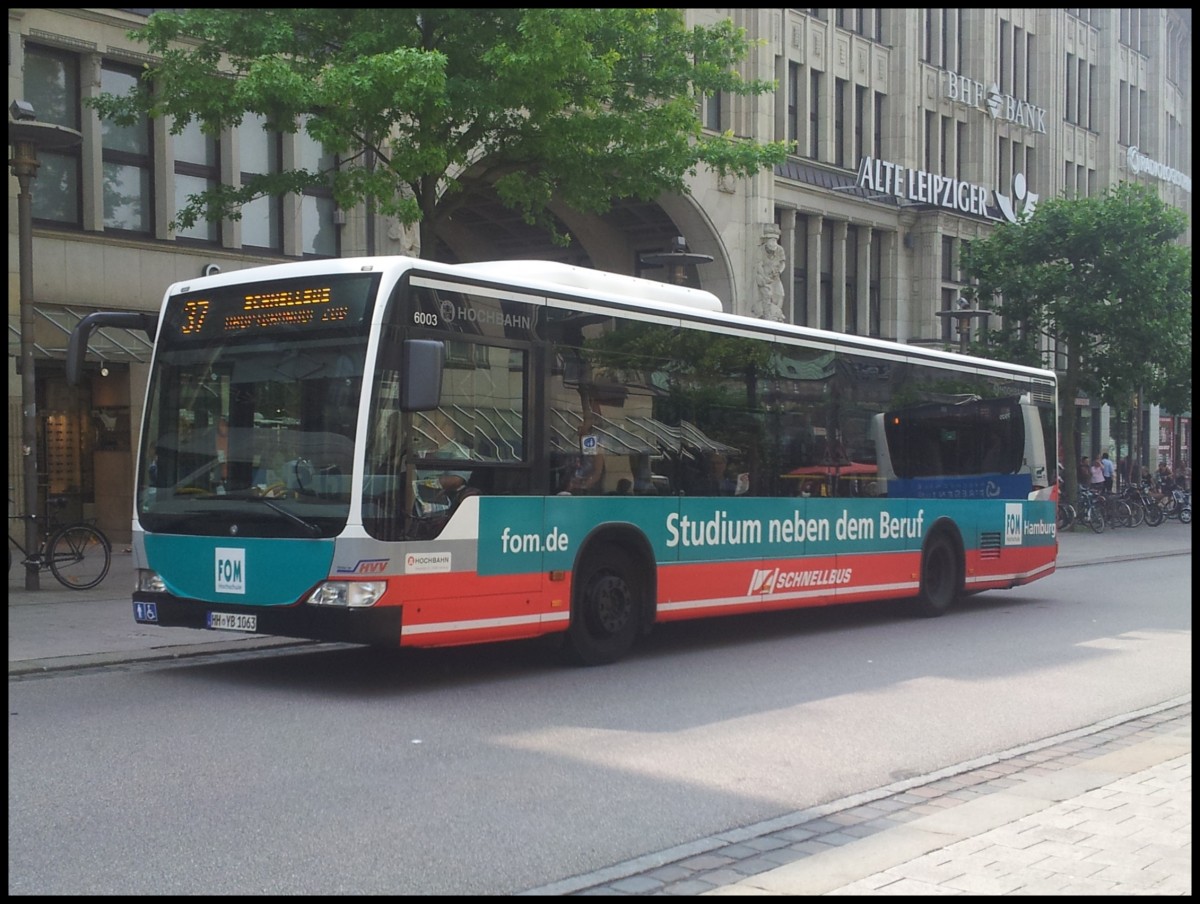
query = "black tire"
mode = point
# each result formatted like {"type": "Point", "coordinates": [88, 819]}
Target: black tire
{"type": "Point", "coordinates": [609, 597]}
{"type": "Point", "coordinates": [941, 581]}
{"type": "Point", "coordinates": [1154, 513]}
{"type": "Point", "coordinates": [79, 557]}
{"type": "Point", "coordinates": [1120, 515]}
{"type": "Point", "coordinates": [1185, 514]}
{"type": "Point", "coordinates": [1137, 513]}
{"type": "Point", "coordinates": [1065, 516]}
{"type": "Point", "coordinates": [1095, 519]}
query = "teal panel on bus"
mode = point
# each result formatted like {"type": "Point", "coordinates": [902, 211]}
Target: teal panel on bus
{"type": "Point", "coordinates": [523, 535]}
{"type": "Point", "coordinates": [252, 572]}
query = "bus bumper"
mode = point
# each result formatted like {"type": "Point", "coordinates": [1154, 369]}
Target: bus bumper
{"type": "Point", "coordinates": [378, 626]}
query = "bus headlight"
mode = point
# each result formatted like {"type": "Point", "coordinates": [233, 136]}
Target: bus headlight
{"type": "Point", "coordinates": [352, 594]}
{"type": "Point", "coordinates": [149, 582]}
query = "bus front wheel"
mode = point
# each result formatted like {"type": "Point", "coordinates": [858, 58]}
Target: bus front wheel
{"type": "Point", "coordinates": [605, 616]}
{"type": "Point", "coordinates": [939, 576]}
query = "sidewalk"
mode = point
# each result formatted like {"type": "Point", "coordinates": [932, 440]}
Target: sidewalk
{"type": "Point", "coordinates": [56, 628]}
{"type": "Point", "coordinates": [1102, 810]}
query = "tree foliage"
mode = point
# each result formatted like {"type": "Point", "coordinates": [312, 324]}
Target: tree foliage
{"type": "Point", "coordinates": [578, 106]}
{"type": "Point", "coordinates": [1104, 278]}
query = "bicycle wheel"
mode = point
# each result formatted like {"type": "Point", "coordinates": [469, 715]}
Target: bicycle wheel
{"type": "Point", "coordinates": [80, 556]}
{"type": "Point", "coordinates": [1095, 518]}
{"type": "Point", "coordinates": [1154, 514]}
{"type": "Point", "coordinates": [1136, 510]}
{"type": "Point", "coordinates": [1065, 519]}
{"type": "Point", "coordinates": [1122, 514]}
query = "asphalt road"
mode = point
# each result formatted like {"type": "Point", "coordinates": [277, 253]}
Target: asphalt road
{"type": "Point", "coordinates": [494, 770]}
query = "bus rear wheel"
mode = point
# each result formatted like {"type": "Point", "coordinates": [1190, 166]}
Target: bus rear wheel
{"type": "Point", "coordinates": [606, 614]}
{"type": "Point", "coordinates": [940, 583]}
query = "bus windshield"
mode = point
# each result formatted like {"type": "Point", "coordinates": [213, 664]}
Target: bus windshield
{"type": "Point", "coordinates": [252, 409]}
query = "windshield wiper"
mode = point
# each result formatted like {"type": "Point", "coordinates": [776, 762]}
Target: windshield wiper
{"type": "Point", "coordinates": [313, 530]}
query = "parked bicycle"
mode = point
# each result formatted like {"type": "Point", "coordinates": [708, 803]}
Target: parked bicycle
{"type": "Point", "coordinates": [77, 554]}
{"type": "Point", "coordinates": [1064, 516]}
{"type": "Point", "coordinates": [1177, 504]}
{"type": "Point", "coordinates": [1117, 512]}
{"type": "Point", "coordinates": [1139, 495]}
{"type": "Point", "coordinates": [1089, 510]}
{"type": "Point", "coordinates": [1137, 513]}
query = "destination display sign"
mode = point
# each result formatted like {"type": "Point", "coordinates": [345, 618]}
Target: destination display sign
{"type": "Point", "coordinates": [280, 306]}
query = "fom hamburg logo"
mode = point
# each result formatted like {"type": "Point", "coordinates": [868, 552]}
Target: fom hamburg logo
{"type": "Point", "coordinates": [1014, 529]}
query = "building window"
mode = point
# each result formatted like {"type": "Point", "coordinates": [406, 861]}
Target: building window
{"type": "Point", "coordinates": [197, 170]}
{"type": "Point", "coordinates": [262, 154]}
{"type": "Point", "coordinates": [1019, 86]}
{"type": "Point", "coordinates": [1072, 111]}
{"type": "Point", "coordinates": [318, 229]}
{"type": "Point", "coordinates": [874, 312]}
{"type": "Point", "coordinates": [960, 149]}
{"type": "Point", "coordinates": [1005, 57]}
{"type": "Point", "coordinates": [1090, 94]}
{"type": "Point", "coordinates": [128, 159]}
{"type": "Point", "coordinates": [839, 122]}
{"type": "Point", "coordinates": [860, 113]}
{"type": "Point", "coordinates": [946, 146]}
{"type": "Point", "coordinates": [800, 273]}
{"type": "Point", "coordinates": [947, 258]}
{"type": "Point", "coordinates": [852, 279]}
{"type": "Point", "coordinates": [52, 87]}
{"type": "Point", "coordinates": [1123, 112]}
{"type": "Point", "coordinates": [930, 140]}
{"type": "Point", "coordinates": [826, 282]}
{"type": "Point", "coordinates": [814, 116]}
{"type": "Point", "coordinates": [880, 100]}
{"type": "Point", "coordinates": [712, 112]}
{"type": "Point", "coordinates": [793, 109]}
{"type": "Point", "coordinates": [959, 39]}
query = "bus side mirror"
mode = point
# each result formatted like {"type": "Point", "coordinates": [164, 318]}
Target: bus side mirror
{"type": "Point", "coordinates": [78, 343]}
{"type": "Point", "coordinates": [423, 363]}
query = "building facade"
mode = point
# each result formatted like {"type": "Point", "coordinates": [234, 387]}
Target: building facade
{"type": "Point", "coordinates": [913, 132]}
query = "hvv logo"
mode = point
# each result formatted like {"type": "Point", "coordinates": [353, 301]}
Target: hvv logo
{"type": "Point", "coordinates": [1014, 527]}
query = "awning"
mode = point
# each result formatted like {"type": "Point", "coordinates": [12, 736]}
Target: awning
{"type": "Point", "coordinates": [52, 328]}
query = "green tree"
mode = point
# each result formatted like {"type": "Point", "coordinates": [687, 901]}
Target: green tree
{"type": "Point", "coordinates": [1104, 278]}
{"type": "Point", "coordinates": [576, 106]}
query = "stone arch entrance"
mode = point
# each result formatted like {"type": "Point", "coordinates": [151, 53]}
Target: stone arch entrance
{"type": "Point", "coordinates": [482, 228]}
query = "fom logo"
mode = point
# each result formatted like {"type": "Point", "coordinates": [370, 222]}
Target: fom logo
{"type": "Point", "coordinates": [763, 580]}
{"type": "Point", "coordinates": [1014, 529]}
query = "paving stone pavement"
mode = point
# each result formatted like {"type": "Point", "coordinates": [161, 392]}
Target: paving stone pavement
{"type": "Point", "coordinates": [1102, 810]}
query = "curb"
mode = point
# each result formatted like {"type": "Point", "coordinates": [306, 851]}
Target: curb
{"type": "Point", "coordinates": [155, 654]}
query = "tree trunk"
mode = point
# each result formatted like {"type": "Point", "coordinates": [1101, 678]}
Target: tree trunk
{"type": "Point", "coordinates": [1068, 389]}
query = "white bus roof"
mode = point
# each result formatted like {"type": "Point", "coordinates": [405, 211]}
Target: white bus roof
{"type": "Point", "coordinates": [551, 276]}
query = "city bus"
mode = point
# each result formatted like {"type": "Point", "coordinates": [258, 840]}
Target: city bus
{"type": "Point", "coordinates": [398, 452]}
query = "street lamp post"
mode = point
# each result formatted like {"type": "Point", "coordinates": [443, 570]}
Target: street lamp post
{"type": "Point", "coordinates": [676, 261]}
{"type": "Point", "coordinates": [964, 313]}
{"type": "Point", "coordinates": [25, 136]}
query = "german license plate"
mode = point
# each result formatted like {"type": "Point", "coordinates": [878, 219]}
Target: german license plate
{"type": "Point", "coordinates": [225, 621]}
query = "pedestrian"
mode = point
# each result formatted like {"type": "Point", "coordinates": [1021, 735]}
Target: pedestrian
{"type": "Point", "coordinates": [1083, 473]}
{"type": "Point", "coordinates": [1166, 480]}
{"type": "Point", "coordinates": [1106, 465]}
{"type": "Point", "coordinates": [1097, 476]}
